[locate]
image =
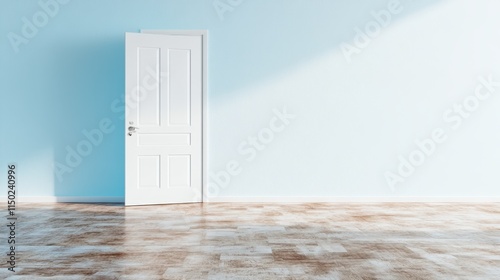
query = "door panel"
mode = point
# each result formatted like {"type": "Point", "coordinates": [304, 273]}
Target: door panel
{"type": "Point", "coordinates": [179, 90]}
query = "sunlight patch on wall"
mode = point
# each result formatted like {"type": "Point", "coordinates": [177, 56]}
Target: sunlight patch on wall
{"type": "Point", "coordinates": [353, 119]}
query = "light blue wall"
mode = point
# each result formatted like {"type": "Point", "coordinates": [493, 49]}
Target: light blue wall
{"type": "Point", "coordinates": [352, 118]}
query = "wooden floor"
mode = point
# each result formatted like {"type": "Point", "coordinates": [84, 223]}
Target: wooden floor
{"type": "Point", "coordinates": [256, 241]}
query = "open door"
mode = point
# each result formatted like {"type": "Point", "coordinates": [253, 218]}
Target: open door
{"type": "Point", "coordinates": [163, 119]}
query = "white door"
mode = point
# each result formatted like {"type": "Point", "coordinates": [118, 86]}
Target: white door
{"type": "Point", "coordinates": [163, 123]}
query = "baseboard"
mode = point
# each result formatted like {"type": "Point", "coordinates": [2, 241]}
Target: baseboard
{"type": "Point", "coordinates": [355, 199]}
{"type": "Point", "coordinates": [69, 199]}
{"type": "Point", "coordinates": [271, 199]}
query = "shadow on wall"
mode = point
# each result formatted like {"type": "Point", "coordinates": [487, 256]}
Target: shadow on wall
{"type": "Point", "coordinates": [89, 121]}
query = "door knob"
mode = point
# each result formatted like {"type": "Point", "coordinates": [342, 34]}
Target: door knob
{"type": "Point", "coordinates": [131, 129]}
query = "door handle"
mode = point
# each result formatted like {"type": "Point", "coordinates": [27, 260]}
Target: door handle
{"type": "Point", "coordinates": [132, 129]}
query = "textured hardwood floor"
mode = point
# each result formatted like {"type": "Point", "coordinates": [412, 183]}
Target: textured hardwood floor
{"type": "Point", "coordinates": [256, 241]}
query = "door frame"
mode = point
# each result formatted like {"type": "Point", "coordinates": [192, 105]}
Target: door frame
{"type": "Point", "coordinates": [204, 134]}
